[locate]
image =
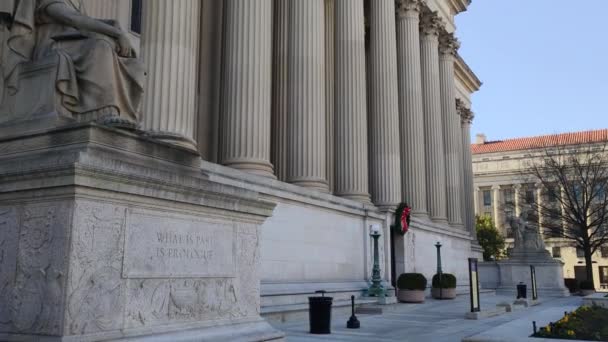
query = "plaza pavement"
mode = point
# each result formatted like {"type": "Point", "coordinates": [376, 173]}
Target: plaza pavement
{"type": "Point", "coordinates": [436, 321]}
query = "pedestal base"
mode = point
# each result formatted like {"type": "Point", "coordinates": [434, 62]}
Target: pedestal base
{"type": "Point", "coordinates": [549, 277]}
{"type": "Point", "coordinates": [106, 235]}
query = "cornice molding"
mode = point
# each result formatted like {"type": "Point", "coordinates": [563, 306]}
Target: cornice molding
{"type": "Point", "coordinates": [458, 6]}
{"type": "Point", "coordinates": [465, 75]}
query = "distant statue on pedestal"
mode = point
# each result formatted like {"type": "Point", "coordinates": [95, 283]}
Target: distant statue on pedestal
{"type": "Point", "coordinates": [527, 238]}
{"type": "Point", "coordinates": [90, 64]}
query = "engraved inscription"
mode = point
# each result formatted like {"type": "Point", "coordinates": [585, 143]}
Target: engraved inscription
{"type": "Point", "coordinates": [171, 245]}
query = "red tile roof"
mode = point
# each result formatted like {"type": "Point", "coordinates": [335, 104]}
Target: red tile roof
{"type": "Point", "coordinates": [541, 141]}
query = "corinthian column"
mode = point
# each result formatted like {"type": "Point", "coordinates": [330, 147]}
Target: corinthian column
{"type": "Point", "coordinates": [496, 203]}
{"type": "Point", "coordinates": [330, 90]}
{"type": "Point", "coordinates": [350, 100]}
{"type": "Point", "coordinates": [433, 131]}
{"type": "Point", "coordinates": [246, 91]}
{"type": "Point", "coordinates": [280, 62]}
{"type": "Point", "coordinates": [384, 105]}
{"type": "Point", "coordinates": [306, 125]}
{"type": "Point", "coordinates": [470, 198]}
{"type": "Point", "coordinates": [169, 44]}
{"type": "Point", "coordinates": [448, 45]}
{"type": "Point", "coordinates": [413, 185]}
{"type": "Point", "coordinates": [517, 196]}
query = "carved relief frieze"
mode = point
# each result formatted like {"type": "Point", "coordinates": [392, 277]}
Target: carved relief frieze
{"type": "Point", "coordinates": [248, 261]}
{"type": "Point", "coordinates": [33, 296]}
{"type": "Point", "coordinates": [96, 290]}
{"type": "Point", "coordinates": [153, 302]}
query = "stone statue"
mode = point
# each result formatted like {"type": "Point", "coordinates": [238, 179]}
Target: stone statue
{"type": "Point", "coordinates": [526, 237]}
{"type": "Point", "coordinates": [96, 74]}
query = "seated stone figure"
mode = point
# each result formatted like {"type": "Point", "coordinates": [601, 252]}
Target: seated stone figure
{"type": "Point", "coordinates": [526, 237]}
{"type": "Point", "coordinates": [91, 67]}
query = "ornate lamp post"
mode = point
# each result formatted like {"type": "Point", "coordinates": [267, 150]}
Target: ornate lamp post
{"type": "Point", "coordinates": [376, 289]}
{"type": "Point", "coordinates": [439, 271]}
{"type": "Point", "coordinates": [438, 245]}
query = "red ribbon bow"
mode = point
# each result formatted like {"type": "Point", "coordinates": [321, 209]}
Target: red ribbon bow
{"type": "Point", "coordinates": [404, 215]}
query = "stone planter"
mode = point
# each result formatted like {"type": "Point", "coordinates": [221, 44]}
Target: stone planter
{"type": "Point", "coordinates": [445, 293]}
{"type": "Point", "coordinates": [411, 296]}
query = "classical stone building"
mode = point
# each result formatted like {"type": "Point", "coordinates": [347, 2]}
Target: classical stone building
{"type": "Point", "coordinates": [335, 110]}
{"type": "Point", "coordinates": [308, 119]}
{"type": "Point", "coordinates": [500, 187]}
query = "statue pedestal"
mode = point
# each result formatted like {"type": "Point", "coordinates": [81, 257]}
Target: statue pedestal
{"type": "Point", "coordinates": [549, 274]}
{"type": "Point", "coordinates": [106, 235]}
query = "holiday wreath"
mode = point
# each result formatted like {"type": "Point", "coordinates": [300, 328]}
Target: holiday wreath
{"type": "Point", "coordinates": [402, 219]}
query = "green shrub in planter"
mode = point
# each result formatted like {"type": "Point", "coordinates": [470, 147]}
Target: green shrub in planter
{"type": "Point", "coordinates": [411, 281]}
{"type": "Point", "coordinates": [586, 285]}
{"type": "Point", "coordinates": [448, 281]}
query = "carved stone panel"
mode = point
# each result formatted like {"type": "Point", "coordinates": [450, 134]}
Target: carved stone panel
{"type": "Point", "coordinates": [96, 290]}
{"type": "Point", "coordinates": [9, 234]}
{"type": "Point", "coordinates": [165, 245]}
{"type": "Point", "coordinates": [33, 294]}
{"type": "Point", "coordinates": [153, 302]}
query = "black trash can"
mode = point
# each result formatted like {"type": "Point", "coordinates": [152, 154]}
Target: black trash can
{"type": "Point", "coordinates": [522, 291]}
{"type": "Point", "coordinates": [319, 313]}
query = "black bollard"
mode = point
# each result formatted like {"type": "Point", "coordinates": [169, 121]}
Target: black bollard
{"type": "Point", "coordinates": [534, 327]}
{"type": "Point", "coordinates": [353, 322]}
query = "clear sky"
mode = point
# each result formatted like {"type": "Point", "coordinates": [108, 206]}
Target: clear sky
{"type": "Point", "coordinates": [543, 64]}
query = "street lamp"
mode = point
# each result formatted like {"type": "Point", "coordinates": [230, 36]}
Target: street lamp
{"type": "Point", "coordinates": [439, 271]}
{"type": "Point", "coordinates": [376, 289]}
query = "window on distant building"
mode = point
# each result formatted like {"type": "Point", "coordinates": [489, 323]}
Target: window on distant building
{"type": "Point", "coordinates": [580, 253]}
{"type": "Point", "coordinates": [604, 252]}
{"type": "Point", "coordinates": [487, 198]}
{"type": "Point", "coordinates": [556, 252]}
{"type": "Point", "coordinates": [136, 15]}
{"type": "Point", "coordinates": [603, 270]}
{"type": "Point", "coordinates": [552, 194]}
{"type": "Point", "coordinates": [529, 196]}
{"type": "Point", "coordinates": [509, 194]}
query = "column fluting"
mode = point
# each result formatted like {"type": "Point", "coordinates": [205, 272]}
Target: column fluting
{"type": "Point", "coordinates": [448, 46]}
{"type": "Point", "coordinates": [306, 163]}
{"type": "Point", "coordinates": [350, 101]}
{"type": "Point", "coordinates": [470, 197]}
{"type": "Point", "coordinates": [247, 86]}
{"type": "Point", "coordinates": [280, 82]}
{"type": "Point", "coordinates": [384, 107]}
{"type": "Point", "coordinates": [329, 91]}
{"type": "Point", "coordinates": [411, 113]}
{"type": "Point", "coordinates": [169, 46]}
{"type": "Point", "coordinates": [433, 133]}
{"type": "Point", "coordinates": [102, 9]}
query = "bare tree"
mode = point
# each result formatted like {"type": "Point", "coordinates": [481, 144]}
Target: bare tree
{"type": "Point", "coordinates": [572, 181]}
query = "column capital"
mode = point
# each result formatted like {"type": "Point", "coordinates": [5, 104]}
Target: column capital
{"type": "Point", "coordinates": [448, 44]}
{"type": "Point", "coordinates": [517, 187]}
{"type": "Point", "coordinates": [407, 8]}
{"type": "Point", "coordinates": [495, 187]}
{"type": "Point", "coordinates": [466, 115]}
{"type": "Point", "coordinates": [430, 24]}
